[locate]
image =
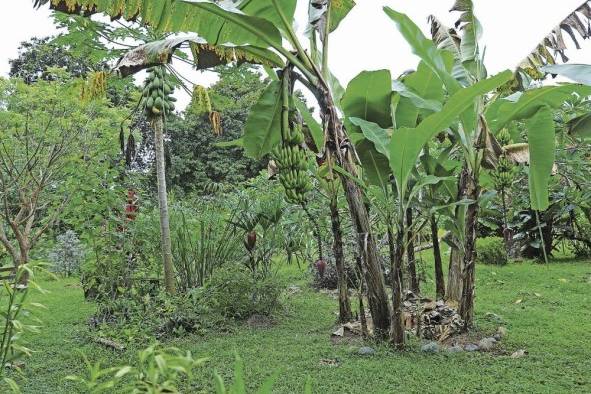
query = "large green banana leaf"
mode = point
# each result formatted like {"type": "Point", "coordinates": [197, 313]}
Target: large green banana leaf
{"type": "Point", "coordinates": [580, 73]}
{"type": "Point", "coordinates": [368, 97]}
{"type": "Point", "coordinates": [263, 126]}
{"type": "Point", "coordinates": [503, 111]}
{"type": "Point", "coordinates": [406, 143]}
{"type": "Point", "coordinates": [217, 23]}
{"type": "Point", "coordinates": [425, 49]}
{"type": "Point", "coordinates": [317, 14]}
{"type": "Point", "coordinates": [540, 135]}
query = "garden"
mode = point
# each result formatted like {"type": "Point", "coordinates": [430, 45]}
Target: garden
{"type": "Point", "coordinates": [282, 231]}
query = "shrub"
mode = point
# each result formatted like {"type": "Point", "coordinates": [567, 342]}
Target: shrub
{"type": "Point", "coordinates": [491, 250]}
{"type": "Point", "coordinates": [236, 293]}
{"type": "Point", "coordinates": [67, 255]}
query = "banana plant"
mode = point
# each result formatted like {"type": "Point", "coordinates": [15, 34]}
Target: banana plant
{"type": "Point", "coordinates": [482, 119]}
{"type": "Point", "coordinates": [267, 24]}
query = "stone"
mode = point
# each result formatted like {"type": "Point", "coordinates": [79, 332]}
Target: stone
{"type": "Point", "coordinates": [430, 347]}
{"type": "Point", "coordinates": [502, 331]}
{"type": "Point", "coordinates": [470, 347]}
{"type": "Point", "coordinates": [486, 344]}
{"type": "Point", "coordinates": [366, 351]}
{"type": "Point", "coordinates": [520, 353]}
{"type": "Point", "coordinates": [497, 337]}
{"type": "Point", "coordinates": [455, 349]}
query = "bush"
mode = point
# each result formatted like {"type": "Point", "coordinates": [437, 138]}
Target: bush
{"type": "Point", "coordinates": [491, 250]}
{"type": "Point", "coordinates": [236, 293]}
{"type": "Point", "coordinates": [67, 255]}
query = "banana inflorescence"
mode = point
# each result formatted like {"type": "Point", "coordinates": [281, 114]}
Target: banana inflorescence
{"type": "Point", "coordinates": [292, 163]}
{"type": "Point", "coordinates": [157, 97]}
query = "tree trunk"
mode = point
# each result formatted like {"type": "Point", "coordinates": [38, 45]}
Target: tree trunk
{"type": "Point", "coordinates": [454, 276]}
{"type": "Point", "coordinates": [410, 255]}
{"type": "Point", "coordinates": [396, 254]}
{"type": "Point", "coordinates": [339, 147]}
{"type": "Point", "coordinates": [339, 257]}
{"type": "Point", "coordinates": [467, 300]}
{"type": "Point", "coordinates": [158, 126]}
{"type": "Point", "coordinates": [439, 281]}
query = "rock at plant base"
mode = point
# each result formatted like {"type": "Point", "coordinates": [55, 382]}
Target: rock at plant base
{"type": "Point", "coordinates": [366, 351]}
{"type": "Point", "coordinates": [470, 347]}
{"type": "Point", "coordinates": [455, 349]}
{"type": "Point", "coordinates": [520, 353]}
{"type": "Point", "coordinates": [502, 331]}
{"type": "Point", "coordinates": [486, 344]}
{"type": "Point", "coordinates": [497, 337]}
{"type": "Point", "coordinates": [430, 347]}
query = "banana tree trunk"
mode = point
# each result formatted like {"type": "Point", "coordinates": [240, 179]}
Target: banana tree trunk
{"type": "Point", "coordinates": [467, 300]}
{"type": "Point", "coordinates": [338, 146]}
{"type": "Point", "coordinates": [456, 260]}
{"type": "Point", "coordinates": [396, 254]}
{"type": "Point", "coordinates": [410, 255]}
{"type": "Point", "coordinates": [439, 281]}
{"type": "Point", "coordinates": [165, 242]}
{"type": "Point", "coordinates": [337, 247]}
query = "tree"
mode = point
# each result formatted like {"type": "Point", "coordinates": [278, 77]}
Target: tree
{"type": "Point", "coordinates": [51, 145]}
{"type": "Point", "coordinates": [38, 55]}
{"type": "Point", "coordinates": [195, 159]}
{"type": "Point", "coordinates": [158, 103]}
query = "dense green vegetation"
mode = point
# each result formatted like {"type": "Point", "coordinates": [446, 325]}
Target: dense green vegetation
{"type": "Point", "coordinates": [427, 232]}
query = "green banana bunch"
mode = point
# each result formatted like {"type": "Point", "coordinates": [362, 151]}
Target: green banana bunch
{"type": "Point", "coordinates": [157, 97]}
{"type": "Point", "coordinates": [292, 163]}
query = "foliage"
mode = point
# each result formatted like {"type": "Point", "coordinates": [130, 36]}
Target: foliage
{"type": "Point", "coordinates": [67, 255]}
{"type": "Point", "coordinates": [57, 152]}
{"type": "Point", "coordinates": [38, 55]}
{"type": "Point", "coordinates": [236, 293]}
{"type": "Point", "coordinates": [491, 250]}
{"type": "Point", "coordinates": [15, 307]}
{"type": "Point", "coordinates": [202, 244]}
{"type": "Point", "coordinates": [157, 371]}
{"type": "Point", "coordinates": [195, 160]}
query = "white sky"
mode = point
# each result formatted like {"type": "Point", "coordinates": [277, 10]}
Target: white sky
{"type": "Point", "coordinates": [367, 39]}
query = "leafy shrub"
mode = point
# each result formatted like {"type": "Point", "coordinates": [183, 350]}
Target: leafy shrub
{"type": "Point", "coordinates": [236, 293]}
{"type": "Point", "coordinates": [67, 255]}
{"type": "Point", "coordinates": [201, 246]}
{"type": "Point", "coordinates": [157, 371]}
{"type": "Point", "coordinates": [164, 371]}
{"type": "Point", "coordinates": [491, 250]}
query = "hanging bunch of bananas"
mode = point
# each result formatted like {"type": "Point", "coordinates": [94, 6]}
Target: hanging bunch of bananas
{"type": "Point", "coordinates": [503, 174]}
{"type": "Point", "coordinates": [95, 86]}
{"type": "Point", "coordinates": [157, 97]}
{"type": "Point", "coordinates": [292, 162]}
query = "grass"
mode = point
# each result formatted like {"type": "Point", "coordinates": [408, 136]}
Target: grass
{"type": "Point", "coordinates": [552, 322]}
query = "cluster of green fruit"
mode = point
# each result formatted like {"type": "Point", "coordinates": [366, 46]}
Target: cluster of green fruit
{"type": "Point", "coordinates": [157, 94]}
{"type": "Point", "coordinates": [503, 174]}
{"type": "Point", "coordinates": [292, 164]}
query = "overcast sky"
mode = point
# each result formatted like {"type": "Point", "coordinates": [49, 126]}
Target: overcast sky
{"type": "Point", "coordinates": [367, 39]}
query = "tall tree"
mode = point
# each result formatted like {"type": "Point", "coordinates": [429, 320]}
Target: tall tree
{"type": "Point", "coordinates": [158, 103]}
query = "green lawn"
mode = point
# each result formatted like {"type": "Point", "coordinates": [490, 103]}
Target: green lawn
{"type": "Point", "coordinates": [554, 326]}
